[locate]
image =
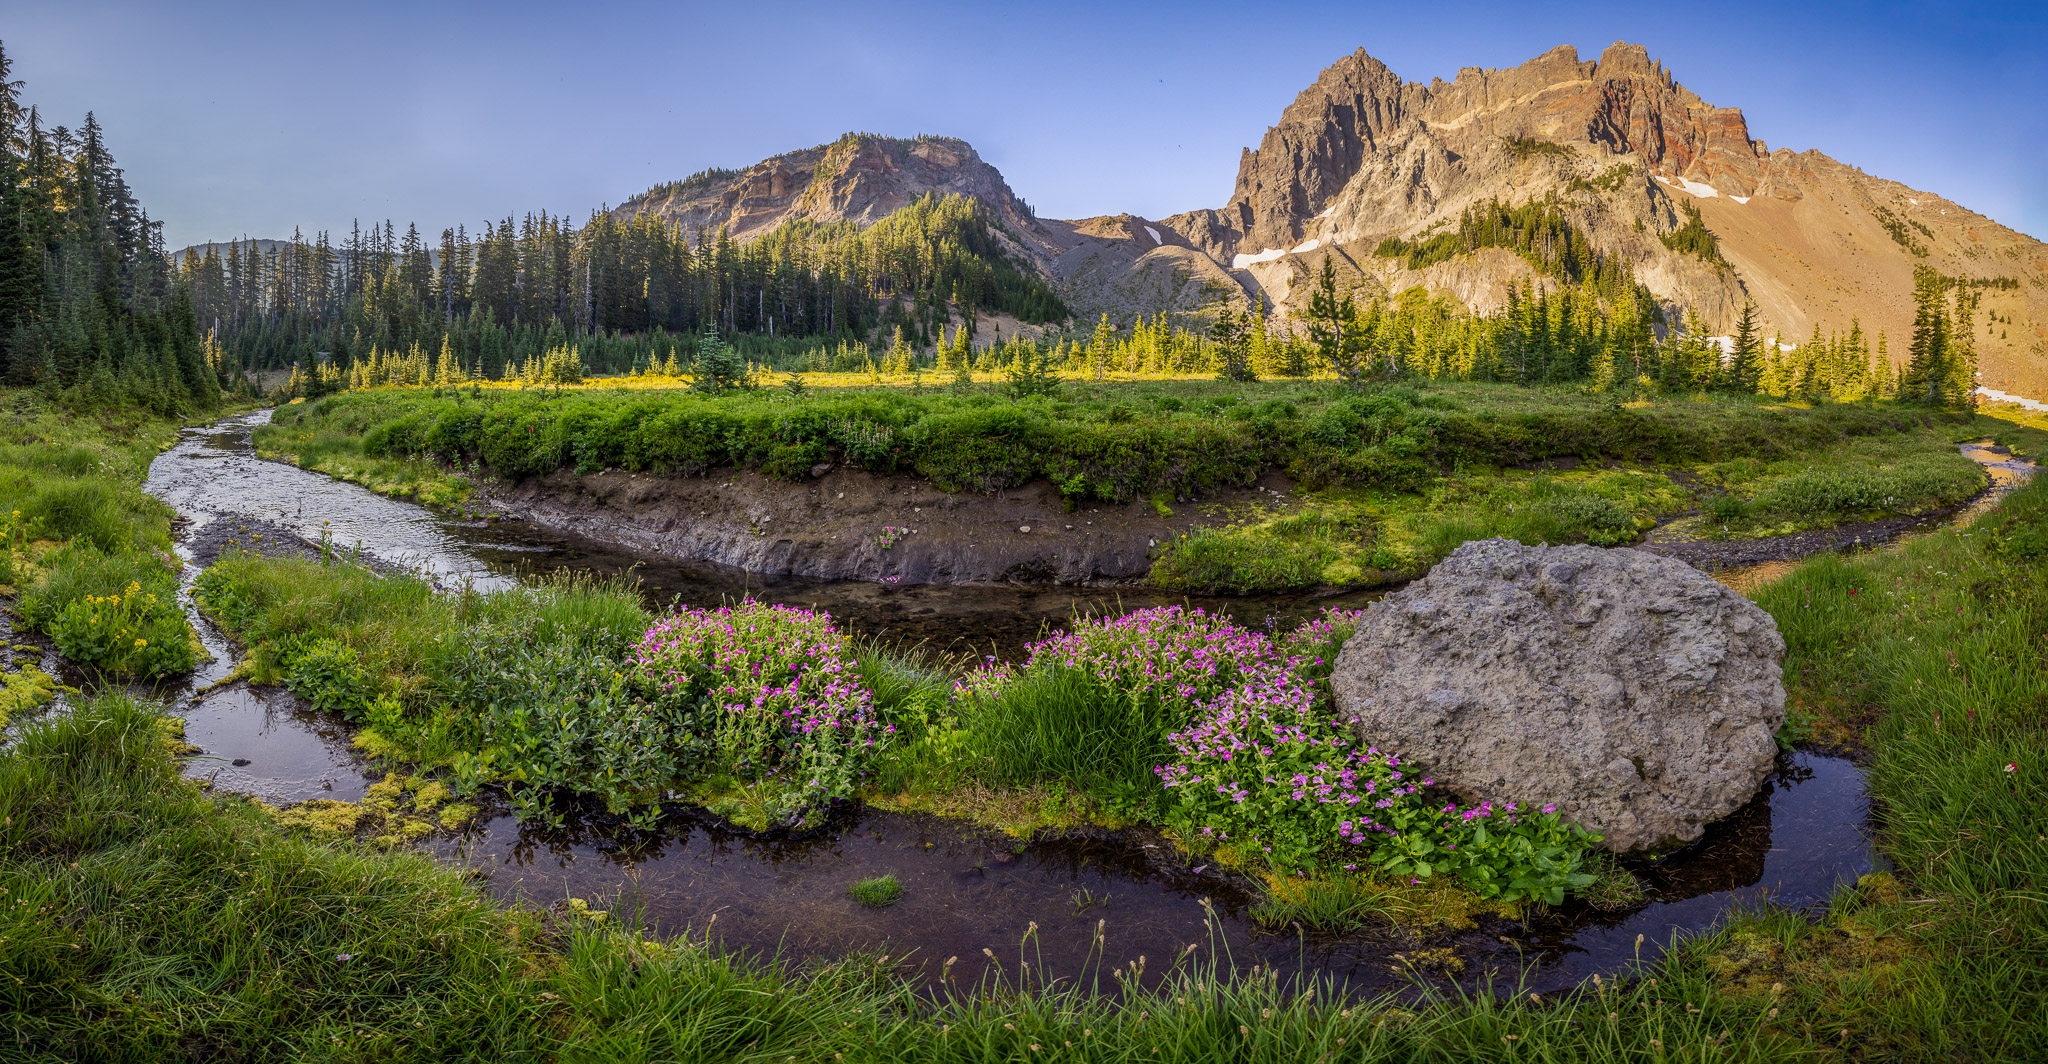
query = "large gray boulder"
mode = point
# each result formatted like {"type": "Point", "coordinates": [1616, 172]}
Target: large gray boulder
{"type": "Point", "coordinates": [1633, 691]}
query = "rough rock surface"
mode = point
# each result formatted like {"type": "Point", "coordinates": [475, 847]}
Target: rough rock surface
{"type": "Point", "coordinates": [1634, 691]}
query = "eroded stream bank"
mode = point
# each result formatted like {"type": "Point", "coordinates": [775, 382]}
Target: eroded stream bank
{"type": "Point", "coordinates": [966, 891]}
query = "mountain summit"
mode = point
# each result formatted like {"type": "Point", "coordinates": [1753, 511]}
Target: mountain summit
{"type": "Point", "coordinates": [1628, 154]}
{"type": "Point", "coordinates": [861, 178]}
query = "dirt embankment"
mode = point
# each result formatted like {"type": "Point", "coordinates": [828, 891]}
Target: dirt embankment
{"type": "Point", "coordinates": [837, 526]}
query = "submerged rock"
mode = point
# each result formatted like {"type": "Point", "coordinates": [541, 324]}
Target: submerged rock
{"type": "Point", "coordinates": [1633, 691]}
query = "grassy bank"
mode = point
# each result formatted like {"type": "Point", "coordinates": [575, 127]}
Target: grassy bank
{"type": "Point", "coordinates": [87, 555]}
{"type": "Point", "coordinates": [1107, 442]}
{"type": "Point", "coordinates": [143, 918]}
{"type": "Point", "coordinates": [769, 717]}
{"type": "Point", "coordinates": [1388, 482]}
{"type": "Point", "coordinates": [170, 923]}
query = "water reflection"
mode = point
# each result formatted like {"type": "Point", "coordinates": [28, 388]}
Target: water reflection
{"type": "Point", "coordinates": [1794, 844]}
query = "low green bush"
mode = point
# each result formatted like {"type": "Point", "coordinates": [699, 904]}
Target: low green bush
{"type": "Point", "coordinates": [139, 632]}
{"type": "Point", "coordinates": [329, 674]}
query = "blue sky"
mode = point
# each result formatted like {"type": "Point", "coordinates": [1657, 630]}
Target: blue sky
{"type": "Point", "coordinates": [235, 119]}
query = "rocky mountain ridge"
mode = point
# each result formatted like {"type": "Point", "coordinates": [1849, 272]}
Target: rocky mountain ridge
{"type": "Point", "coordinates": [860, 178]}
{"type": "Point", "coordinates": [1362, 155]}
{"type": "Point", "coordinates": [1623, 149]}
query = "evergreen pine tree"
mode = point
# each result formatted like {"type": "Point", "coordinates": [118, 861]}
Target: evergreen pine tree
{"type": "Point", "coordinates": [718, 367]}
{"type": "Point", "coordinates": [1927, 358]}
{"type": "Point", "coordinates": [1745, 368]}
{"type": "Point", "coordinates": [1331, 327]}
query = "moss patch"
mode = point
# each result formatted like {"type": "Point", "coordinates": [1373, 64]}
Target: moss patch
{"type": "Point", "coordinates": [395, 811]}
{"type": "Point", "coordinates": [24, 690]}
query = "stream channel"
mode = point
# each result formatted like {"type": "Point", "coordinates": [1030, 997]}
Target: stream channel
{"type": "Point", "coordinates": [1805, 834]}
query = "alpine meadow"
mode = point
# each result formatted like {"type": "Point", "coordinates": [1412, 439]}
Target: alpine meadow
{"type": "Point", "coordinates": [1535, 574]}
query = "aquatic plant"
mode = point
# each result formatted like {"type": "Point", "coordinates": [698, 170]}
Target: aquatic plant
{"type": "Point", "coordinates": [878, 892]}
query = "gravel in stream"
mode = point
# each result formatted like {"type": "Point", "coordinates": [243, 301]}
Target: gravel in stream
{"type": "Point", "coordinates": [231, 533]}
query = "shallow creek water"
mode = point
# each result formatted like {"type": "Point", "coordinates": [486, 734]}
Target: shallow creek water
{"type": "Point", "coordinates": [966, 891]}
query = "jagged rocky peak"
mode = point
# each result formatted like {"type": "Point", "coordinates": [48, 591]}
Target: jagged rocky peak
{"type": "Point", "coordinates": [1629, 156]}
{"type": "Point", "coordinates": [861, 177]}
{"type": "Point", "coordinates": [1624, 102]}
{"type": "Point", "coordinates": [1322, 139]}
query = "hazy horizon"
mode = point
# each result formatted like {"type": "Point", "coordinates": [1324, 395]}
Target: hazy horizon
{"type": "Point", "coordinates": [239, 120]}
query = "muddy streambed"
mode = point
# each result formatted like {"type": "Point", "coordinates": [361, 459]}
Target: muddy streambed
{"type": "Point", "coordinates": [965, 890]}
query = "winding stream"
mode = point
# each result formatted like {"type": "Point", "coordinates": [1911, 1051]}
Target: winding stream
{"type": "Point", "coordinates": [966, 891]}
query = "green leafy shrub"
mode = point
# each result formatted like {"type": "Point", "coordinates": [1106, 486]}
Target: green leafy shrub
{"type": "Point", "coordinates": [329, 675]}
{"type": "Point", "coordinates": [776, 696]}
{"type": "Point", "coordinates": [1262, 775]}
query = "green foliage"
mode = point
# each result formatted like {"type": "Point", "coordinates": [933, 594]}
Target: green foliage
{"type": "Point", "coordinates": [880, 892]}
{"type": "Point", "coordinates": [775, 692]}
{"type": "Point", "coordinates": [1609, 180]}
{"type": "Point", "coordinates": [330, 676]}
{"type": "Point", "coordinates": [719, 369]}
{"type": "Point", "coordinates": [263, 945]}
{"type": "Point", "coordinates": [1858, 479]}
{"type": "Point", "coordinates": [139, 632]}
{"type": "Point", "coordinates": [87, 552]}
{"type": "Point", "coordinates": [1264, 774]}
{"type": "Point", "coordinates": [548, 300]}
{"type": "Point", "coordinates": [1532, 147]}
{"type": "Point", "coordinates": [1693, 237]}
{"type": "Point", "coordinates": [1900, 229]}
{"type": "Point", "coordinates": [1538, 231]}
{"type": "Point", "coordinates": [1942, 367]}
{"type": "Point", "coordinates": [1836, 492]}
{"type": "Point", "coordinates": [1034, 374]}
{"type": "Point", "coordinates": [1398, 439]}
{"type": "Point", "coordinates": [1333, 904]}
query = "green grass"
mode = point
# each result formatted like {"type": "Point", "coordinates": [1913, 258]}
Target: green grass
{"type": "Point", "coordinates": [76, 529]}
{"type": "Point", "coordinates": [879, 892]}
{"type": "Point", "coordinates": [337, 452]}
{"type": "Point", "coordinates": [1858, 479]}
{"type": "Point", "coordinates": [1057, 724]}
{"type": "Point", "coordinates": [144, 917]}
{"type": "Point", "coordinates": [1343, 537]}
{"type": "Point", "coordinates": [1110, 441]}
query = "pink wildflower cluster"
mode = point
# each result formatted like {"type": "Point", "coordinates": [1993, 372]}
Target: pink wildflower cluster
{"type": "Point", "coordinates": [1259, 763]}
{"type": "Point", "coordinates": [1164, 650]}
{"type": "Point", "coordinates": [783, 681]}
{"type": "Point", "coordinates": [1313, 640]}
